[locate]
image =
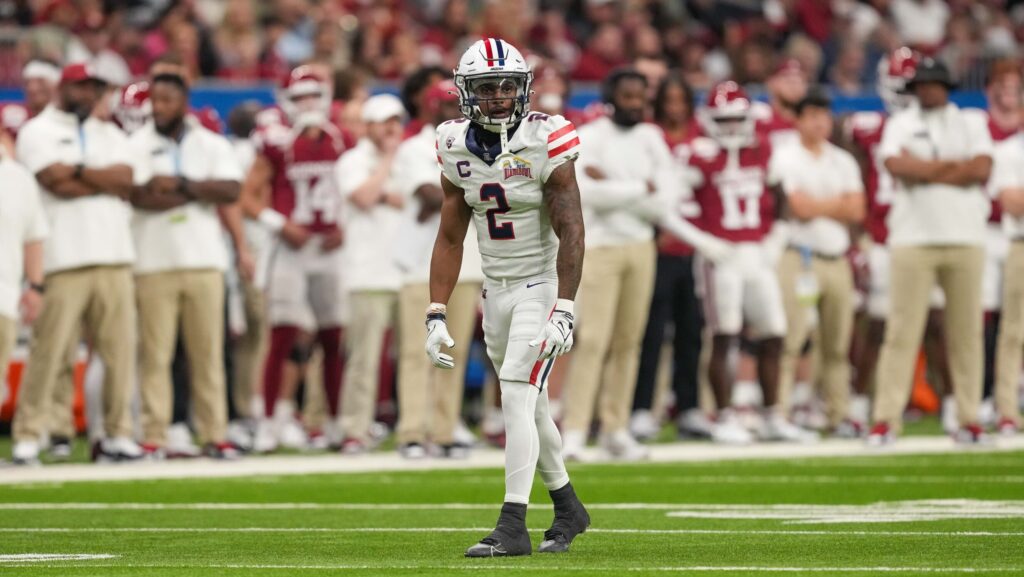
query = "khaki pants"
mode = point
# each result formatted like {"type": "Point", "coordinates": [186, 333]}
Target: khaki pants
{"type": "Point", "coordinates": [615, 296]}
{"type": "Point", "coordinates": [373, 312]}
{"type": "Point", "coordinates": [249, 351]}
{"type": "Point", "coordinates": [103, 297]}
{"type": "Point", "coordinates": [835, 329]}
{"type": "Point", "coordinates": [430, 398]}
{"type": "Point", "coordinates": [8, 333]}
{"type": "Point", "coordinates": [1011, 335]}
{"type": "Point", "coordinates": [915, 270]}
{"type": "Point", "coordinates": [62, 423]}
{"type": "Point", "coordinates": [196, 298]}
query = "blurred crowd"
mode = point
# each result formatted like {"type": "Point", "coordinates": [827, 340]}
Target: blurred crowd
{"type": "Point", "coordinates": [837, 41]}
{"type": "Point", "coordinates": [257, 283]}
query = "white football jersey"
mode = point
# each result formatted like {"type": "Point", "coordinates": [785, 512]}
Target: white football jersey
{"type": "Point", "coordinates": [506, 191]}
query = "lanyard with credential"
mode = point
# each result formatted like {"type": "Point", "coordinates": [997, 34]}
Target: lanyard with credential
{"type": "Point", "coordinates": [81, 140]}
{"type": "Point", "coordinates": [179, 215]}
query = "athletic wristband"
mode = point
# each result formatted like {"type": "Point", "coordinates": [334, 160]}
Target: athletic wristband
{"type": "Point", "coordinates": [564, 305]}
{"type": "Point", "coordinates": [272, 219]}
{"type": "Point", "coordinates": [436, 317]}
{"type": "Point", "coordinates": [38, 287]}
{"type": "Point", "coordinates": [437, 308]}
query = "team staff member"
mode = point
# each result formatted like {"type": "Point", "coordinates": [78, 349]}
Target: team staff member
{"type": "Point", "coordinates": [22, 230]}
{"type": "Point", "coordinates": [825, 194]}
{"type": "Point", "coordinates": [1008, 182]}
{"type": "Point", "coordinates": [429, 399]}
{"type": "Point", "coordinates": [182, 171]}
{"type": "Point", "coordinates": [940, 157]}
{"type": "Point", "coordinates": [84, 167]}
{"type": "Point", "coordinates": [623, 165]}
{"type": "Point", "coordinates": [373, 217]}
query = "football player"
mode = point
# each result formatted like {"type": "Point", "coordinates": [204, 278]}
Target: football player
{"type": "Point", "coordinates": [295, 162]}
{"type": "Point", "coordinates": [739, 244]}
{"type": "Point", "coordinates": [776, 118]}
{"type": "Point", "coordinates": [511, 173]}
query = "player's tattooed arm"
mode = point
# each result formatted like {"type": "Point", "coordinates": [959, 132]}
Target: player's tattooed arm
{"type": "Point", "coordinates": [447, 257]}
{"type": "Point", "coordinates": [255, 189]}
{"type": "Point", "coordinates": [562, 198]}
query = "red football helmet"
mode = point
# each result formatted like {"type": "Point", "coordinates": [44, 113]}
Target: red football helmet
{"type": "Point", "coordinates": [727, 115]}
{"type": "Point", "coordinates": [895, 70]}
{"type": "Point", "coordinates": [132, 108]}
{"type": "Point", "coordinates": [306, 97]}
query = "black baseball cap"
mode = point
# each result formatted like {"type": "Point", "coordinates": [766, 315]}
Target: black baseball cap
{"type": "Point", "coordinates": [931, 70]}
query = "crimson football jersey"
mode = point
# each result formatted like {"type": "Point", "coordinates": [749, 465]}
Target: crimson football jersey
{"type": "Point", "coordinates": [731, 188]}
{"type": "Point", "coordinates": [303, 187]}
{"type": "Point", "coordinates": [770, 123]}
{"type": "Point", "coordinates": [998, 134]}
{"type": "Point", "coordinates": [864, 129]}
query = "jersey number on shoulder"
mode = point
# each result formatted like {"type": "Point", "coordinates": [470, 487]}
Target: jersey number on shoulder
{"type": "Point", "coordinates": [741, 203]}
{"type": "Point", "coordinates": [312, 196]}
{"type": "Point", "coordinates": [503, 231]}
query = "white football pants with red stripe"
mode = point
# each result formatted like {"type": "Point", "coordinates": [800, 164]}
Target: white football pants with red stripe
{"type": "Point", "coordinates": [514, 313]}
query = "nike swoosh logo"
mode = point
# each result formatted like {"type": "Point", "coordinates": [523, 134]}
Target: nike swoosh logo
{"type": "Point", "coordinates": [518, 151]}
{"type": "Point", "coordinates": [531, 285]}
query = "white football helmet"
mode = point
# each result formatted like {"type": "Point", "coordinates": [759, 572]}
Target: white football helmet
{"type": "Point", "coordinates": [131, 106]}
{"type": "Point", "coordinates": [895, 71]}
{"type": "Point", "coordinates": [493, 70]}
{"type": "Point", "coordinates": [727, 116]}
{"type": "Point", "coordinates": [305, 97]}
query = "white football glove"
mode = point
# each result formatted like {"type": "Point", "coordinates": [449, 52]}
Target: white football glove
{"type": "Point", "coordinates": [715, 249]}
{"type": "Point", "coordinates": [555, 339]}
{"type": "Point", "coordinates": [437, 336]}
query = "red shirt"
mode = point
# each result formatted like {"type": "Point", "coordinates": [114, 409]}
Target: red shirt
{"type": "Point", "coordinates": [669, 244]}
{"type": "Point", "coordinates": [303, 187]}
{"type": "Point", "coordinates": [735, 203]}
{"type": "Point", "coordinates": [865, 131]}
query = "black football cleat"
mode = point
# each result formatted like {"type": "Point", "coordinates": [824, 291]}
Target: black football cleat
{"type": "Point", "coordinates": [509, 539]}
{"type": "Point", "coordinates": [571, 519]}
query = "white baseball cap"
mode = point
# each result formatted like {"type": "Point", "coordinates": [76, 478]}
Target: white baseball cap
{"type": "Point", "coordinates": [383, 107]}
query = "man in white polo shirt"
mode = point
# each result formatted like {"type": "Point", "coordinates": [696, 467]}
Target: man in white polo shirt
{"type": "Point", "coordinates": [623, 165]}
{"type": "Point", "coordinates": [1008, 182]}
{"type": "Point", "coordinates": [182, 171]}
{"type": "Point", "coordinates": [84, 168]}
{"type": "Point", "coordinates": [825, 194]}
{"type": "Point", "coordinates": [373, 218]}
{"type": "Point", "coordinates": [429, 398]}
{"type": "Point", "coordinates": [940, 158]}
{"type": "Point", "coordinates": [22, 230]}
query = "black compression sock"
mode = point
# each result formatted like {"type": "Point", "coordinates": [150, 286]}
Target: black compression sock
{"type": "Point", "coordinates": [564, 498]}
{"type": "Point", "coordinates": [513, 516]}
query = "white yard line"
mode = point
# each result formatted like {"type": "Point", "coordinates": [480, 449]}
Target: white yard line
{"type": "Point", "coordinates": [497, 565]}
{"type": "Point", "coordinates": [36, 558]}
{"type": "Point", "coordinates": [484, 458]}
{"type": "Point", "coordinates": [596, 530]}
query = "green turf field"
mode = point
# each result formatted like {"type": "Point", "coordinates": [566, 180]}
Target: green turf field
{"type": "Point", "coordinates": [855, 516]}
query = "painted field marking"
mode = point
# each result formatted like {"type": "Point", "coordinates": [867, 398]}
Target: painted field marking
{"type": "Point", "coordinates": [36, 558]}
{"type": "Point", "coordinates": [597, 530]}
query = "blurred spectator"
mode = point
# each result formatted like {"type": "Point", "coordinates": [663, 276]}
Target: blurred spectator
{"type": "Point", "coordinates": [23, 228]}
{"type": "Point", "coordinates": [85, 176]}
{"type": "Point", "coordinates": [846, 74]}
{"type": "Point", "coordinates": [675, 299]}
{"type": "Point", "coordinates": [50, 34]}
{"type": "Point", "coordinates": [415, 91]}
{"type": "Point", "coordinates": [296, 44]}
{"type": "Point", "coordinates": [605, 51]}
{"type": "Point", "coordinates": [921, 23]}
{"type": "Point", "coordinates": [373, 217]}
{"type": "Point", "coordinates": [182, 171]}
{"type": "Point", "coordinates": [238, 41]}
{"type": "Point", "coordinates": [937, 234]}
{"type": "Point", "coordinates": [825, 195]}
{"type": "Point", "coordinates": [429, 398]}
{"type": "Point", "coordinates": [92, 45]}
{"type": "Point", "coordinates": [440, 42]}
{"type": "Point", "coordinates": [625, 170]}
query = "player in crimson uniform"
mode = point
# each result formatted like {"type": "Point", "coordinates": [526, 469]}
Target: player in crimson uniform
{"type": "Point", "coordinates": [296, 158]}
{"type": "Point", "coordinates": [739, 247]}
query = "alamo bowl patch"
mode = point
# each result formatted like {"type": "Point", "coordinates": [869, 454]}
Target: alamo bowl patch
{"type": "Point", "coordinates": [515, 166]}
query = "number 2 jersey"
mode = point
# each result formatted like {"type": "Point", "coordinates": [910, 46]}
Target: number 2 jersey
{"type": "Point", "coordinates": [303, 187]}
{"type": "Point", "coordinates": [730, 187]}
{"type": "Point", "coordinates": [506, 191]}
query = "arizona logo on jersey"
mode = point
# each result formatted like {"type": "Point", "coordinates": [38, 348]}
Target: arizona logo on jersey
{"type": "Point", "coordinates": [516, 166]}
